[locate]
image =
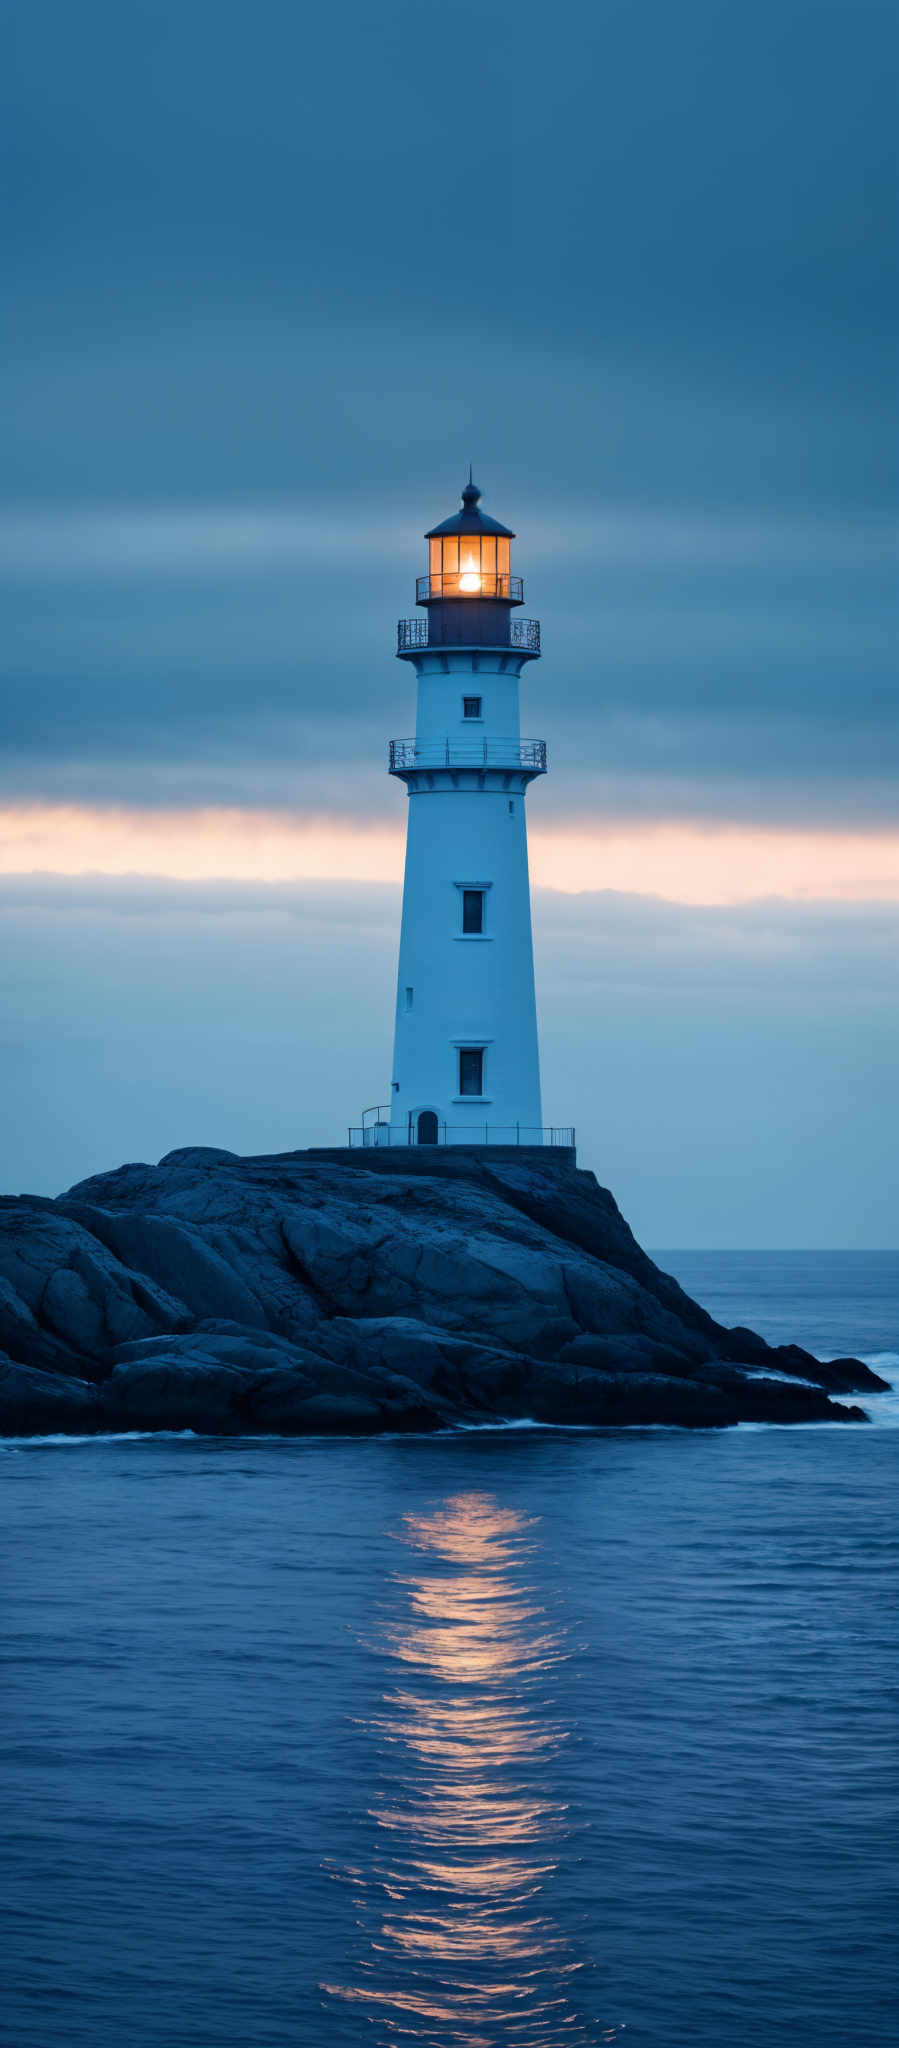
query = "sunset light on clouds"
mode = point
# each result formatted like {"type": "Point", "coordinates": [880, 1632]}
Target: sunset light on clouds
{"type": "Point", "coordinates": [680, 862]}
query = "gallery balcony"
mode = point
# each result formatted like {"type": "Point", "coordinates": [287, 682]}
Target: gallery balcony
{"type": "Point", "coordinates": [409, 756]}
{"type": "Point", "coordinates": [466, 626]}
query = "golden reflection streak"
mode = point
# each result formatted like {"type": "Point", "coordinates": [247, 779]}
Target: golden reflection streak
{"type": "Point", "coordinates": [459, 1954]}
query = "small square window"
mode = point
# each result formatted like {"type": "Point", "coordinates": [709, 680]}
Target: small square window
{"type": "Point", "coordinates": [473, 911]}
{"type": "Point", "coordinates": [471, 707]}
{"type": "Point", "coordinates": [471, 1070]}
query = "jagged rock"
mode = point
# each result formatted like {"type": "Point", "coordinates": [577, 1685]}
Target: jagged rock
{"type": "Point", "coordinates": [176, 1255]}
{"type": "Point", "coordinates": [473, 1266]}
{"type": "Point", "coordinates": [462, 1376]}
{"type": "Point", "coordinates": [33, 1402]}
{"type": "Point", "coordinates": [64, 1292]}
{"type": "Point", "coordinates": [320, 1292]}
{"type": "Point", "coordinates": [628, 1353]}
{"type": "Point", "coordinates": [277, 1403]}
{"type": "Point", "coordinates": [334, 1415]}
{"type": "Point", "coordinates": [223, 1379]}
{"type": "Point", "coordinates": [174, 1391]}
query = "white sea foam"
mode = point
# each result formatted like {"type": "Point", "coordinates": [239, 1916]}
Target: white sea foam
{"type": "Point", "coordinates": [790, 1379]}
{"type": "Point", "coordinates": [111, 1436]}
{"type": "Point", "coordinates": [517, 1422]}
{"type": "Point", "coordinates": [881, 1409]}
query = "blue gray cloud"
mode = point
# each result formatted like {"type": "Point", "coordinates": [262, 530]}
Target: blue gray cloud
{"type": "Point", "coordinates": [742, 664]}
{"type": "Point", "coordinates": [274, 279]}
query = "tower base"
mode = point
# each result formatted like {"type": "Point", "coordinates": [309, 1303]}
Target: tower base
{"type": "Point", "coordinates": [446, 1161]}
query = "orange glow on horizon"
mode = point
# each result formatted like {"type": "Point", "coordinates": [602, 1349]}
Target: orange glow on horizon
{"type": "Point", "coordinates": [690, 862]}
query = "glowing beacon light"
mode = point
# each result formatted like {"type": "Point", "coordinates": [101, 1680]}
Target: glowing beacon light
{"type": "Point", "coordinates": [469, 554]}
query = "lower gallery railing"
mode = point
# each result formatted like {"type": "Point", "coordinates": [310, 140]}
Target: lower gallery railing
{"type": "Point", "coordinates": [452, 753]}
{"type": "Point", "coordinates": [464, 1134]}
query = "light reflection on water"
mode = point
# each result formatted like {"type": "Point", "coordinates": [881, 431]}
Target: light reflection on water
{"type": "Point", "coordinates": [459, 1947]}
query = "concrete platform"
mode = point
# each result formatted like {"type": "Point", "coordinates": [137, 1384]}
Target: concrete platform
{"type": "Point", "coordinates": [446, 1162]}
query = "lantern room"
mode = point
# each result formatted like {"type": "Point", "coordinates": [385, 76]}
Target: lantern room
{"type": "Point", "coordinates": [469, 557]}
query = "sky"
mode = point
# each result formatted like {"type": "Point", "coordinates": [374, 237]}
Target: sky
{"type": "Point", "coordinates": [274, 277]}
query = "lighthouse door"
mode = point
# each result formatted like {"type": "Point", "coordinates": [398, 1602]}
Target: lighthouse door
{"type": "Point", "coordinates": [427, 1127]}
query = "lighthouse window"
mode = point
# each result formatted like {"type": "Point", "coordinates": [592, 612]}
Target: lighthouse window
{"type": "Point", "coordinates": [472, 911]}
{"type": "Point", "coordinates": [471, 707]}
{"type": "Point", "coordinates": [471, 1070]}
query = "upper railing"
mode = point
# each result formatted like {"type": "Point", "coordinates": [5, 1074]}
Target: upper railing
{"type": "Point", "coordinates": [412, 634]}
{"type": "Point", "coordinates": [497, 753]}
{"type": "Point", "coordinates": [467, 585]}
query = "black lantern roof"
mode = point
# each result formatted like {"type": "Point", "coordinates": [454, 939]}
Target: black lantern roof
{"type": "Point", "coordinates": [471, 519]}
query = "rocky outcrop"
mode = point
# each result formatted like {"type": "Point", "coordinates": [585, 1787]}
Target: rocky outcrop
{"type": "Point", "coordinates": [313, 1292]}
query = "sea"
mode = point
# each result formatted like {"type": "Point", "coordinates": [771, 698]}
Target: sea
{"type": "Point", "coordinates": [510, 1738]}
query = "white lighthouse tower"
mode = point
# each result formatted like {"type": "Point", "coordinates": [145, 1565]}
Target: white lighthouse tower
{"type": "Point", "coordinates": [466, 1066]}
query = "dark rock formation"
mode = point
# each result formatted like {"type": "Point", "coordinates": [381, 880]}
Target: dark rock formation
{"type": "Point", "coordinates": [313, 1292]}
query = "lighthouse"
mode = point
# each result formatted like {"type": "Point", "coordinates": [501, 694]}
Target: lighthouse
{"type": "Point", "coordinates": [466, 1065]}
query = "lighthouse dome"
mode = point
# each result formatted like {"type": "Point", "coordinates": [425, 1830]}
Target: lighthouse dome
{"type": "Point", "coordinates": [470, 519]}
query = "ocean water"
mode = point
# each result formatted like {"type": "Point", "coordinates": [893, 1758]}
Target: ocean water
{"type": "Point", "coordinates": [512, 1739]}
{"type": "Point", "coordinates": [835, 1304]}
